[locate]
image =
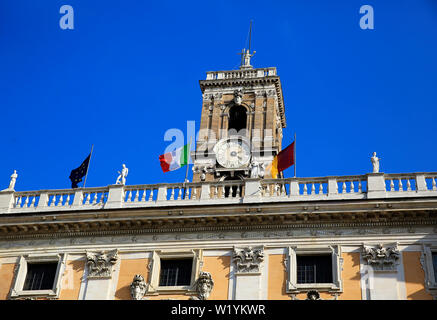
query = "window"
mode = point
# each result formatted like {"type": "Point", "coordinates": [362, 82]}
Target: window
{"type": "Point", "coordinates": [429, 264]}
{"type": "Point", "coordinates": [314, 268]}
{"type": "Point", "coordinates": [175, 272]}
{"type": "Point", "coordinates": [237, 119]}
{"type": "Point", "coordinates": [39, 275]}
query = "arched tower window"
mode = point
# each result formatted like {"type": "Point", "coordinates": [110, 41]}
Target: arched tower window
{"type": "Point", "coordinates": [237, 118]}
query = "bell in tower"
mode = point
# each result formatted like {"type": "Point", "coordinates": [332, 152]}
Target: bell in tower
{"type": "Point", "coordinates": [241, 123]}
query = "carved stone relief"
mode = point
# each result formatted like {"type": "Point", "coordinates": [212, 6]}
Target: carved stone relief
{"type": "Point", "coordinates": [100, 263]}
{"type": "Point", "coordinates": [203, 286]}
{"type": "Point", "coordinates": [248, 260]}
{"type": "Point", "coordinates": [381, 258]}
{"type": "Point", "coordinates": [138, 287]}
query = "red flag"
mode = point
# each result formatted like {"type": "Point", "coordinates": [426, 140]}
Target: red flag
{"type": "Point", "coordinates": [282, 161]}
{"type": "Point", "coordinates": [286, 158]}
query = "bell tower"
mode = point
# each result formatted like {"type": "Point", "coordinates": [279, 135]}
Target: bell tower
{"type": "Point", "coordinates": [241, 123]}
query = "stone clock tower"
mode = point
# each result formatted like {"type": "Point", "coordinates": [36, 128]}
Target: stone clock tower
{"type": "Point", "coordinates": [241, 123]}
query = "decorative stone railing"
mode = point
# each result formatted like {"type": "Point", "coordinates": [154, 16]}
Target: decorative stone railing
{"type": "Point", "coordinates": [241, 74]}
{"type": "Point", "coordinates": [369, 186]}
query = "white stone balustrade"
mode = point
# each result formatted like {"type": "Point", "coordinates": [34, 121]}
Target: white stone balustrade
{"type": "Point", "coordinates": [370, 186]}
{"type": "Point", "coordinates": [241, 74]}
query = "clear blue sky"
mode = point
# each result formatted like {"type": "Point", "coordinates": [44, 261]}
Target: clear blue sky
{"type": "Point", "coordinates": [129, 71]}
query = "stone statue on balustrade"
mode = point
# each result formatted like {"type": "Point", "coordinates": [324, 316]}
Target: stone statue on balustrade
{"type": "Point", "coordinates": [375, 163]}
{"type": "Point", "coordinates": [123, 174]}
{"type": "Point", "coordinates": [12, 182]}
{"type": "Point", "coordinates": [256, 169]}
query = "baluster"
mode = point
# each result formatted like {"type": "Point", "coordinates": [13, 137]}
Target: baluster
{"type": "Point", "coordinates": [283, 190]}
{"type": "Point", "coordinates": [87, 198]}
{"type": "Point", "coordinates": [26, 202]}
{"type": "Point", "coordinates": [434, 185]}
{"type": "Point", "coordinates": [178, 194]}
{"type": "Point", "coordinates": [18, 204]}
{"type": "Point", "coordinates": [172, 194]}
{"type": "Point", "coordinates": [359, 186]}
{"type": "Point", "coordinates": [194, 193]}
{"type": "Point", "coordinates": [137, 195]}
{"type": "Point", "coordinates": [267, 193]}
{"type": "Point", "coordinates": [313, 188]}
{"type": "Point", "coordinates": [92, 198]}
{"type": "Point", "coordinates": [344, 187]}
{"type": "Point", "coordinates": [320, 188]}
{"type": "Point", "coordinates": [305, 188]}
{"type": "Point", "coordinates": [143, 197]}
{"type": "Point", "coordinates": [59, 204]}
{"type": "Point", "coordinates": [224, 191]}
{"type": "Point", "coordinates": [32, 203]}
{"type": "Point", "coordinates": [50, 201]}
{"type": "Point", "coordinates": [408, 185]}
{"type": "Point", "coordinates": [392, 185]}
{"type": "Point", "coordinates": [400, 185]}
{"type": "Point", "coordinates": [67, 201]}
{"type": "Point", "coordinates": [351, 187]}
{"type": "Point", "coordinates": [150, 198]}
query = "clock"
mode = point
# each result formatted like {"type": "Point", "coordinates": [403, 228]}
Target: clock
{"type": "Point", "coordinates": [232, 153]}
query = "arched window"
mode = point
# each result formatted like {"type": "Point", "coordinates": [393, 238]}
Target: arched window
{"type": "Point", "coordinates": [237, 119]}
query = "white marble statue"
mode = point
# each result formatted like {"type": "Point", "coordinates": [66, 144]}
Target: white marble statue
{"type": "Point", "coordinates": [375, 163]}
{"type": "Point", "coordinates": [123, 174]}
{"type": "Point", "coordinates": [256, 169]}
{"type": "Point", "coordinates": [246, 58]}
{"type": "Point", "coordinates": [12, 182]}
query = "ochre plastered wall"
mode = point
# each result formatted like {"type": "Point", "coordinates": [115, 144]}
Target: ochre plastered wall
{"type": "Point", "coordinates": [6, 278]}
{"type": "Point", "coordinates": [128, 269]}
{"type": "Point", "coordinates": [414, 277]}
{"type": "Point", "coordinates": [219, 268]}
{"type": "Point", "coordinates": [71, 280]}
{"type": "Point", "coordinates": [351, 276]}
{"type": "Point", "coordinates": [277, 278]}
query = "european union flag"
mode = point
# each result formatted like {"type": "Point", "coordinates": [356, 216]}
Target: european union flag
{"type": "Point", "coordinates": [77, 174]}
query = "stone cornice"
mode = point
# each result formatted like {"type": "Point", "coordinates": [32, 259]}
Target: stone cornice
{"type": "Point", "coordinates": [221, 218]}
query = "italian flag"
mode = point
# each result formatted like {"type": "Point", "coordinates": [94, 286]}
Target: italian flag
{"type": "Point", "coordinates": [174, 160]}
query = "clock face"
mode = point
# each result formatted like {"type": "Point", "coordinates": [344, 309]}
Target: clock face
{"type": "Point", "coordinates": [232, 153]}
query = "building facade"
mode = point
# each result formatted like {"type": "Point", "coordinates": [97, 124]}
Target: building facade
{"type": "Point", "coordinates": [234, 232]}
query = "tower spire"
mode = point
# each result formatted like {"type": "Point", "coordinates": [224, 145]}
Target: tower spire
{"type": "Point", "coordinates": [245, 54]}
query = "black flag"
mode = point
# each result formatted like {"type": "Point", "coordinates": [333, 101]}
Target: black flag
{"type": "Point", "coordinates": [77, 174]}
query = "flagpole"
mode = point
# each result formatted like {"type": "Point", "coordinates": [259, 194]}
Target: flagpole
{"type": "Point", "coordinates": [188, 165]}
{"type": "Point", "coordinates": [294, 154]}
{"type": "Point", "coordinates": [91, 154]}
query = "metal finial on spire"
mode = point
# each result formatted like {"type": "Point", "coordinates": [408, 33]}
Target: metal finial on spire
{"type": "Point", "coordinates": [245, 54]}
